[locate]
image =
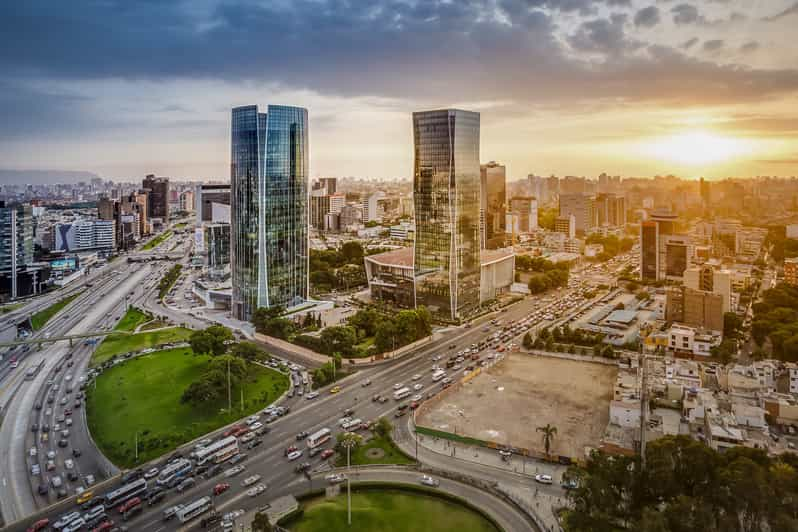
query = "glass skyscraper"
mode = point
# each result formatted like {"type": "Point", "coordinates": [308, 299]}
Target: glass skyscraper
{"type": "Point", "coordinates": [446, 193]}
{"type": "Point", "coordinates": [268, 208]}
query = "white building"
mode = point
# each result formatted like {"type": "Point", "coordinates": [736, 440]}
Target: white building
{"type": "Point", "coordinates": [371, 207]}
{"type": "Point", "coordinates": [84, 235]}
{"type": "Point", "coordinates": [403, 231]}
{"type": "Point", "coordinates": [337, 201]}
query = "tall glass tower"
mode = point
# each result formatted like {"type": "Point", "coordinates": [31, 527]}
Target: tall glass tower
{"type": "Point", "coordinates": [268, 208]}
{"type": "Point", "coordinates": [284, 209]}
{"type": "Point", "coordinates": [446, 193]}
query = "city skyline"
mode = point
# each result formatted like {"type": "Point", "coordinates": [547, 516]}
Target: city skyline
{"type": "Point", "coordinates": [633, 88]}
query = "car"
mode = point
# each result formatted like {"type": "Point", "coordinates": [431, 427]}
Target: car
{"type": "Point", "coordinates": [302, 435]}
{"type": "Point", "coordinates": [255, 426]}
{"type": "Point", "coordinates": [326, 453]}
{"type": "Point", "coordinates": [88, 480]}
{"type": "Point", "coordinates": [290, 449]}
{"type": "Point", "coordinates": [67, 412]}
{"type": "Point", "coordinates": [186, 483]}
{"type": "Point", "coordinates": [68, 422]}
{"type": "Point", "coordinates": [416, 398]}
{"type": "Point", "coordinates": [64, 400]}
{"type": "Point", "coordinates": [72, 477]}
{"type": "Point", "coordinates": [398, 386]}
{"type": "Point", "coordinates": [76, 452]}
{"type": "Point", "coordinates": [33, 451]}
{"type": "Point", "coordinates": [221, 488]}
{"type": "Point", "coordinates": [294, 455]}
{"type": "Point", "coordinates": [237, 458]}
{"type": "Point", "coordinates": [543, 479]}
{"type": "Point", "coordinates": [427, 480]}
{"type": "Point", "coordinates": [56, 481]}
{"type": "Point", "coordinates": [35, 470]}
{"type": "Point", "coordinates": [335, 478]}
{"type": "Point", "coordinates": [417, 376]}
{"type": "Point", "coordinates": [418, 386]}
{"type": "Point", "coordinates": [365, 383]}
{"type": "Point", "coordinates": [250, 480]}
{"type": "Point", "coordinates": [232, 516]}
{"type": "Point", "coordinates": [69, 464]}
{"type": "Point", "coordinates": [41, 524]}
{"type": "Point", "coordinates": [254, 491]}
{"type": "Point", "coordinates": [252, 419]}
{"type": "Point", "coordinates": [45, 428]}
{"type": "Point", "coordinates": [311, 395]}
{"type": "Point", "coordinates": [34, 427]}
{"type": "Point", "coordinates": [84, 497]}
{"type": "Point", "coordinates": [43, 489]}
{"type": "Point", "coordinates": [254, 443]}
{"type": "Point", "coordinates": [301, 468]}
{"type": "Point", "coordinates": [233, 471]}
{"type": "Point", "coordinates": [38, 406]}
{"type": "Point", "coordinates": [63, 443]}
{"type": "Point", "coordinates": [50, 465]}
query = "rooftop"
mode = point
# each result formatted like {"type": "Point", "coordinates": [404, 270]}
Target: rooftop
{"type": "Point", "coordinates": [403, 257]}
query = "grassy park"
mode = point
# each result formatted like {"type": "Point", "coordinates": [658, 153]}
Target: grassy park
{"type": "Point", "coordinates": [126, 343]}
{"type": "Point", "coordinates": [132, 319]}
{"type": "Point", "coordinates": [157, 241]}
{"type": "Point", "coordinates": [41, 318]}
{"type": "Point", "coordinates": [391, 454]}
{"type": "Point", "coordinates": [390, 511]}
{"type": "Point", "coordinates": [125, 398]}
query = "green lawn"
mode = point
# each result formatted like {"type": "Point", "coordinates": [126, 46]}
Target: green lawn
{"type": "Point", "coordinates": [156, 241]}
{"type": "Point", "coordinates": [10, 308]}
{"type": "Point", "coordinates": [143, 394]}
{"type": "Point", "coordinates": [155, 324]}
{"type": "Point", "coordinates": [390, 511]}
{"type": "Point", "coordinates": [125, 343]}
{"type": "Point", "coordinates": [132, 319]}
{"type": "Point", "coordinates": [39, 319]}
{"type": "Point", "coordinates": [393, 455]}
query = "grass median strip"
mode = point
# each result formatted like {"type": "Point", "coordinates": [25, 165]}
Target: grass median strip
{"type": "Point", "coordinates": [123, 407]}
{"type": "Point", "coordinates": [132, 319]}
{"type": "Point", "coordinates": [41, 318]}
{"type": "Point", "coordinates": [155, 242]}
{"type": "Point", "coordinates": [118, 344]}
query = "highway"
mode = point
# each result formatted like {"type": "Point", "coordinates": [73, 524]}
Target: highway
{"type": "Point", "coordinates": [268, 459]}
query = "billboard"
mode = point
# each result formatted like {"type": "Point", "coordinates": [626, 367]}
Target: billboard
{"type": "Point", "coordinates": [60, 265]}
{"type": "Point", "coordinates": [199, 240]}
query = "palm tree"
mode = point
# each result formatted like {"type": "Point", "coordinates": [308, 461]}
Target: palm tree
{"type": "Point", "coordinates": [549, 432]}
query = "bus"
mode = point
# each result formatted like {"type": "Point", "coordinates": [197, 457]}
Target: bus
{"type": "Point", "coordinates": [192, 510]}
{"type": "Point", "coordinates": [177, 469]}
{"type": "Point", "coordinates": [352, 425]}
{"type": "Point", "coordinates": [218, 451]}
{"type": "Point", "coordinates": [402, 393]}
{"type": "Point", "coordinates": [319, 437]}
{"type": "Point", "coordinates": [124, 493]}
{"type": "Point", "coordinates": [438, 375]}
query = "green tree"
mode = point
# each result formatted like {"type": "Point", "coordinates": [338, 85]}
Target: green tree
{"type": "Point", "coordinates": [248, 351]}
{"type": "Point", "coordinates": [211, 341]}
{"type": "Point", "coordinates": [383, 427]}
{"type": "Point", "coordinates": [340, 339]}
{"type": "Point", "coordinates": [260, 523]}
{"type": "Point", "coordinates": [347, 439]}
{"type": "Point", "coordinates": [528, 342]}
{"type": "Point", "coordinates": [549, 432]}
{"type": "Point", "coordinates": [352, 252]}
{"type": "Point", "coordinates": [732, 324]}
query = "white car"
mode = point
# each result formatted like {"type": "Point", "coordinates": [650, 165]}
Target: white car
{"type": "Point", "coordinates": [255, 426]}
{"type": "Point", "coordinates": [251, 480]}
{"type": "Point", "coordinates": [251, 420]}
{"type": "Point", "coordinates": [417, 376]}
{"type": "Point", "coordinates": [233, 471]}
{"type": "Point", "coordinates": [69, 464]}
{"type": "Point", "coordinates": [335, 478]}
{"type": "Point", "coordinates": [312, 395]}
{"type": "Point", "coordinates": [416, 398]}
{"type": "Point", "coordinates": [51, 454]}
{"type": "Point", "coordinates": [33, 451]}
{"type": "Point", "coordinates": [232, 516]}
{"type": "Point", "coordinates": [436, 358]}
{"type": "Point", "coordinates": [543, 479]}
{"type": "Point", "coordinates": [429, 481]}
{"type": "Point", "coordinates": [418, 386]}
{"type": "Point", "coordinates": [254, 491]}
{"type": "Point", "coordinates": [294, 455]}
{"type": "Point", "coordinates": [151, 473]}
{"type": "Point", "coordinates": [343, 421]}
{"type": "Point", "coordinates": [397, 386]}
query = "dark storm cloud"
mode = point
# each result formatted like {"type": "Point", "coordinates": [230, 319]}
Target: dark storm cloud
{"type": "Point", "coordinates": [648, 17]}
{"type": "Point", "coordinates": [426, 50]}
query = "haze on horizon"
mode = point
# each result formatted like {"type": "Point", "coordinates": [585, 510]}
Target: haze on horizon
{"type": "Point", "coordinates": [570, 87]}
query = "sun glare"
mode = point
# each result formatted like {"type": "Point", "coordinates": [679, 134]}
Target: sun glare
{"type": "Point", "coordinates": [696, 148]}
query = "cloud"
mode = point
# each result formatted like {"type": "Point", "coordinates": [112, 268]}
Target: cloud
{"type": "Point", "coordinates": [606, 36]}
{"type": "Point", "coordinates": [684, 14]}
{"type": "Point", "coordinates": [689, 43]}
{"type": "Point", "coordinates": [713, 45]}
{"type": "Point", "coordinates": [750, 46]}
{"type": "Point", "coordinates": [786, 160]}
{"type": "Point", "coordinates": [648, 17]}
{"type": "Point", "coordinates": [792, 10]}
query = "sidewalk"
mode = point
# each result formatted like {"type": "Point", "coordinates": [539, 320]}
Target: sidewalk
{"type": "Point", "coordinates": [514, 477]}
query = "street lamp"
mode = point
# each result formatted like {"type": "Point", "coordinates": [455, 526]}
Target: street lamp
{"type": "Point", "coordinates": [348, 443]}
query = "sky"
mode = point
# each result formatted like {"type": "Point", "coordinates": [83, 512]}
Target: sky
{"type": "Point", "coordinates": [125, 88]}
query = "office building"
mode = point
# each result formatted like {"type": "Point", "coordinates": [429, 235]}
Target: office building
{"type": "Point", "coordinates": [663, 253]}
{"type": "Point", "coordinates": [328, 185]}
{"type": "Point", "coordinates": [157, 189]}
{"type": "Point", "coordinates": [337, 202]}
{"type": "Point", "coordinates": [582, 207]}
{"type": "Point", "coordinates": [269, 208]}
{"type": "Point", "coordinates": [708, 279]}
{"type": "Point", "coordinates": [526, 209]}
{"type": "Point", "coordinates": [371, 207]}
{"type": "Point", "coordinates": [84, 235]}
{"type": "Point", "coordinates": [187, 201]}
{"type": "Point", "coordinates": [791, 271]}
{"type": "Point", "coordinates": [694, 307]}
{"type": "Point", "coordinates": [610, 210]}
{"type": "Point", "coordinates": [350, 217]}
{"type": "Point", "coordinates": [539, 188]}
{"type": "Point", "coordinates": [493, 204]}
{"type": "Point", "coordinates": [446, 193]}
{"type": "Point", "coordinates": [217, 247]}
{"type": "Point", "coordinates": [16, 245]}
{"type": "Point", "coordinates": [571, 185]}
{"type": "Point", "coordinates": [319, 208]}
{"type": "Point", "coordinates": [566, 225]}
{"type": "Point", "coordinates": [204, 198]}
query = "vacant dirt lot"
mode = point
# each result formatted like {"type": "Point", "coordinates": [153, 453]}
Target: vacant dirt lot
{"type": "Point", "coordinates": [508, 402]}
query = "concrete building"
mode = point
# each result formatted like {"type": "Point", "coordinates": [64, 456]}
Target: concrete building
{"type": "Point", "coordinates": [371, 207]}
{"type": "Point", "coordinates": [566, 225]}
{"type": "Point", "coordinates": [187, 201]}
{"type": "Point", "coordinates": [327, 185]}
{"type": "Point", "coordinates": [526, 209]}
{"type": "Point", "coordinates": [204, 198]}
{"type": "Point", "coordinates": [16, 245]}
{"type": "Point", "coordinates": [695, 308]}
{"type": "Point", "coordinates": [493, 205]}
{"type": "Point", "coordinates": [582, 207]}
{"type": "Point", "coordinates": [663, 253]}
{"type": "Point", "coordinates": [84, 235]}
{"type": "Point", "coordinates": [403, 231]}
{"type": "Point", "coordinates": [709, 279]}
{"type": "Point", "coordinates": [337, 202]}
{"type": "Point", "coordinates": [319, 208]}
{"type": "Point", "coordinates": [390, 275]}
{"type": "Point", "coordinates": [157, 189]}
{"type": "Point", "coordinates": [610, 210]}
{"type": "Point", "coordinates": [791, 271]}
{"type": "Point", "coordinates": [350, 217]}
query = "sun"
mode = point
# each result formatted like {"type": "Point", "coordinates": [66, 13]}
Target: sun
{"type": "Point", "coordinates": [696, 148]}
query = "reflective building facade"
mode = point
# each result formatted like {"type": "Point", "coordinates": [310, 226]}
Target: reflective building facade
{"type": "Point", "coordinates": [284, 209]}
{"type": "Point", "coordinates": [446, 194]}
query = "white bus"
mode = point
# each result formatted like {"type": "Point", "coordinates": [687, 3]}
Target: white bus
{"type": "Point", "coordinates": [402, 393]}
{"type": "Point", "coordinates": [354, 424]}
{"type": "Point", "coordinates": [177, 469]}
{"type": "Point", "coordinates": [218, 451]}
{"type": "Point", "coordinates": [319, 437]}
{"type": "Point", "coordinates": [192, 510]}
{"type": "Point", "coordinates": [124, 493]}
{"type": "Point", "coordinates": [438, 375]}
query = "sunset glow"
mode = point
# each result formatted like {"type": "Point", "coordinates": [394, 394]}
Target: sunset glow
{"type": "Point", "coordinates": [697, 148]}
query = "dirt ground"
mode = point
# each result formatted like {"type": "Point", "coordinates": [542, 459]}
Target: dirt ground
{"type": "Point", "coordinates": [508, 402]}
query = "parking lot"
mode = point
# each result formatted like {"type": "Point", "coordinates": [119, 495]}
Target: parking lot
{"type": "Point", "coordinates": [507, 403]}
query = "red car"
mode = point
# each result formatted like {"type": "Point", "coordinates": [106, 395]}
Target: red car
{"type": "Point", "coordinates": [326, 453]}
{"type": "Point", "coordinates": [135, 501]}
{"type": "Point", "coordinates": [290, 449]}
{"type": "Point", "coordinates": [232, 430]}
{"type": "Point", "coordinates": [67, 411]}
{"type": "Point", "coordinates": [413, 405]}
{"type": "Point", "coordinates": [102, 527]}
{"type": "Point", "coordinates": [39, 525]}
{"type": "Point", "coordinates": [220, 488]}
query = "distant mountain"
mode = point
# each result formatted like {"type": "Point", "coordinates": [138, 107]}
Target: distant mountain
{"type": "Point", "coordinates": [43, 177]}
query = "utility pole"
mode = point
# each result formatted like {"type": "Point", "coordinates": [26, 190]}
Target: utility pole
{"type": "Point", "coordinates": [137, 445]}
{"type": "Point", "coordinates": [643, 409]}
{"type": "Point", "coordinates": [229, 391]}
{"type": "Point", "coordinates": [242, 396]}
{"type": "Point", "coordinates": [348, 488]}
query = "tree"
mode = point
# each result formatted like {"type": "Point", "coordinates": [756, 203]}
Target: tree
{"type": "Point", "coordinates": [260, 523]}
{"type": "Point", "coordinates": [383, 427]}
{"type": "Point", "coordinates": [339, 339]}
{"type": "Point", "coordinates": [348, 439]}
{"type": "Point", "coordinates": [248, 351]}
{"type": "Point", "coordinates": [352, 252]}
{"type": "Point", "coordinates": [726, 351]}
{"type": "Point", "coordinates": [732, 323]}
{"type": "Point", "coordinates": [549, 432]}
{"type": "Point", "coordinates": [211, 341]}
{"type": "Point", "coordinates": [528, 342]}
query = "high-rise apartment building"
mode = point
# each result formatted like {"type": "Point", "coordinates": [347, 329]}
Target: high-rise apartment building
{"type": "Point", "coordinates": [157, 189]}
{"type": "Point", "coordinates": [493, 204]}
{"type": "Point", "coordinates": [583, 207]}
{"type": "Point", "coordinates": [269, 208]}
{"type": "Point", "coordinates": [610, 210]}
{"type": "Point", "coordinates": [694, 307]}
{"type": "Point", "coordinates": [446, 192]}
{"type": "Point", "coordinates": [319, 208]}
{"type": "Point", "coordinates": [371, 207]}
{"type": "Point", "coordinates": [337, 202]}
{"type": "Point", "coordinates": [791, 271]}
{"type": "Point", "coordinates": [566, 225]}
{"type": "Point", "coordinates": [539, 188]}
{"type": "Point", "coordinates": [328, 185]}
{"type": "Point", "coordinates": [526, 208]}
{"type": "Point", "coordinates": [16, 243]}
